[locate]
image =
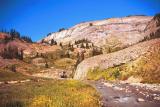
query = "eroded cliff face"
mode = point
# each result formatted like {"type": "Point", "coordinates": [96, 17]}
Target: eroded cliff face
{"type": "Point", "coordinates": [143, 43]}
{"type": "Point", "coordinates": [114, 59]}
{"type": "Point", "coordinates": [131, 28]}
{"type": "Point", "coordinates": [152, 29]}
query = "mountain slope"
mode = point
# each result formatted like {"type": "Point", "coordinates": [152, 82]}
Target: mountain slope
{"type": "Point", "coordinates": [114, 59]}
{"type": "Point", "coordinates": [152, 30]}
{"type": "Point", "coordinates": [132, 28]}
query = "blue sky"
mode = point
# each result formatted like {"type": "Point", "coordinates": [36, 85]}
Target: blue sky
{"type": "Point", "coordinates": [37, 18]}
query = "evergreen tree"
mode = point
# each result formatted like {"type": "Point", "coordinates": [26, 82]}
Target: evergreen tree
{"type": "Point", "coordinates": [80, 58]}
{"type": "Point", "coordinates": [14, 34]}
{"type": "Point", "coordinates": [52, 41]}
{"type": "Point", "coordinates": [21, 54]}
{"type": "Point", "coordinates": [13, 68]}
{"type": "Point", "coordinates": [61, 45]}
{"type": "Point", "coordinates": [87, 46]}
{"type": "Point", "coordinates": [61, 29]}
{"type": "Point", "coordinates": [72, 48]}
{"type": "Point", "coordinates": [75, 42]}
{"type": "Point", "coordinates": [55, 43]}
{"type": "Point", "coordinates": [11, 52]}
{"type": "Point", "coordinates": [82, 45]}
{"type": "Point", "coordinates": [67, 54]}
{"type": "Point", "coordinates": [92, 45]}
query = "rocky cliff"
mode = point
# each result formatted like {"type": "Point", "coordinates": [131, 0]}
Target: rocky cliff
{"type": "Point", "coordinates": [152, 30]}
{"type": "Point", "coordinates": [114, 59]}
{"type": "Point", "coordinates": [127, 30]}
{"type": "Point", "coordinates": [131, 53]}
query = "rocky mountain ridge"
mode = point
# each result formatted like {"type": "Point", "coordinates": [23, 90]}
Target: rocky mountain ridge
{"type": "Point", "coordinates": [98, 31]}
{"type": "Point", "coordinates": [122, 56]}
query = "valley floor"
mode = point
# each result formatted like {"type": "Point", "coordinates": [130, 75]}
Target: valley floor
{"type": "Point", "coordinates": [127, 95]}
{"type": "Point", "coordinates": [40, 92]}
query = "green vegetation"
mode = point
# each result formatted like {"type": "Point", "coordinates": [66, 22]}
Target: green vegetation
{"type": "Point", "coordinates": [82, 41]}
{"type": "Point", "coordinates": [61, 29]}
{"type": "Point", "coordinates": [145, 67]}
{"type": "Point", "coordinates": [65, 63]}
{"type": "Point", "coordinates": [53, 42]}
{"type": "Point", "coordinates": [11, 52]}
{"type": "Point", "coordinates": [9, 75]}
{"type": "Point", "coordinates": [49, 93]}
{"type": "Point", "coordinates": [108, 74]}
{"type": "Point", "coordinates": [13, 34]}
{"type": "Point", "coordinates": [27, 39]}
{"type": "Point", "coordinates": [109, 49]}
{"type": "Point", "coordinates": [96, 51]}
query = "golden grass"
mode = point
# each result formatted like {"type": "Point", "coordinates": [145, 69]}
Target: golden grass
{"type": "Point", "coordinates": [49, 93]}
{"type": "Point", "coordinates": [145, 67]}
{"type": "Point", "coordinates": [6, 75]}
{"type": "Point", "coordinates": [65, 63]}
{"type": "Point", "coordinates": [108, 74]}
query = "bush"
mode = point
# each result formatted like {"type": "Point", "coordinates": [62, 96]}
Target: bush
{"type": "Point", "coordinates": [10, 52]}
{"type": "Point", "coordinates": [96, 51]}
{"type": "Point", "coordinates": [61, 45]}
{"type": "Point", "coordinates": [90, 24]}
{"type": "Point", "coordinates": [53, 42]}
{"type": "Point", "coordinates": [61, 29]}
{"type": "Point", "coordinates": [15, 34]}
{"type": "Point", "coordinates": [82, 41]}
{"type": "Point", "coordinates": [13, 68]}
{"type": "Point", "coordinates": [108, 74]}
{"type": "Point", "coordinates": [82, 45]}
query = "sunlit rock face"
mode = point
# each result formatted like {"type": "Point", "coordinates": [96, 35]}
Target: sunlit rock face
{"type": "Point", "coordinates": [145, 42]}
{"type": "Point", "coordinates": [129, 37]}
{"type": "Point", "coordinates": [152, 30]}
{"type": "Point", "coordinates": [116, 58]}
{"type": "Point", "coordinates": [128, 30]}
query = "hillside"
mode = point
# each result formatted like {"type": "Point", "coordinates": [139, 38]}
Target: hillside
{"type": "Point", "coordinates": [121, 40]}
{"type": "Point", "coordinates": [26, 58]}
{"type": "Point", "coordinates": [24, 67]}
{"type": "Point", "coordinates": [117, 58]}
{"type": "Point", "coordinates": [120, 60]}
{"type": "Point", "coordinates": [126, 30]}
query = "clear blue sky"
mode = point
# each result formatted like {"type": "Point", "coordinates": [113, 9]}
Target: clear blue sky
{"type": "Point", "coordinates": [37, 18]}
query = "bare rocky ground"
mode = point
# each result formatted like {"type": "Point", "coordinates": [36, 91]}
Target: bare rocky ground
{"type": "Point", "coordinates": [127, 95]}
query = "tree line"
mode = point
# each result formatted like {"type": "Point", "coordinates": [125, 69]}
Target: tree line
{"type": "Point", "coordinates": [15, 34]}
{"type": "Point", "coordinates": [11, 52]}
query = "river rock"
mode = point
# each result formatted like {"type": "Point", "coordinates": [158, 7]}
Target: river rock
{"type": "Point", "coordinates": [140, 100]}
